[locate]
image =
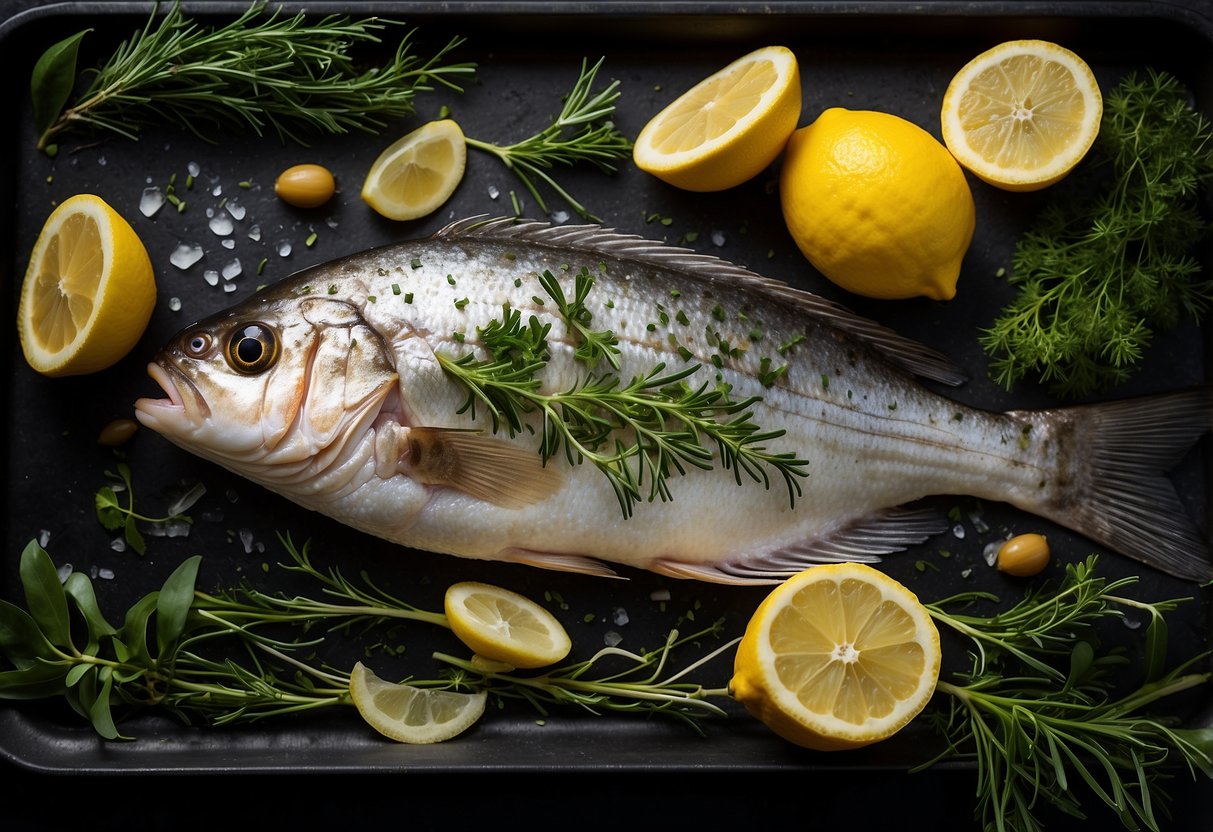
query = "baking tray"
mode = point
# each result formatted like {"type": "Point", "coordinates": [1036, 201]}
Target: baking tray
{"type": "Point", "coordinates": [896, 57]}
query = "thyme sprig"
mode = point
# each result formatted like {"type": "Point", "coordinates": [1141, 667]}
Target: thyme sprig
{"type": "Point", "coordinates": [582, 132]}
{"type": "Point", "coordinates": [261, 71]}
{"type": "Point", "coordinates": [638, 434]}
{"type": "Point", "coordinates": [1109, 261]}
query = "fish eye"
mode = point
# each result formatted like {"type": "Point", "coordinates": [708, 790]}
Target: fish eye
{"type": "Point", "coordinates": [198, 345]}
{"type": "Point", "coordinates": [252, 349]}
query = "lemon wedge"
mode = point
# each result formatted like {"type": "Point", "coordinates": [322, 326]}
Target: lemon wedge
{"type": "Point", "coordinates": [838, 656]}
{"type": "Point", "coordinates": [417, 173]}
{"type": "Point", "coordinates": [504, 627]}
{"type": "Point", "coordinates": [1021, 115]}
{"type": "Point", "coordinates": [728, 127]}
{"type": "Point", "coordinates": [89, 290]}
{"type": "Point", "coordinates": [411, 714]}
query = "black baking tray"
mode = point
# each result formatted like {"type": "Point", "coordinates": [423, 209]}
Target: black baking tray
{"type": "Point", "coordinates": [891, 56]}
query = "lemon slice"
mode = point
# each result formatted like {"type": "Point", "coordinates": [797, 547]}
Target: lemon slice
{"type": "Point", "coordinates": [417, 173]}
{"type": "Point", "coordinates": [1020, 116]}
{"type": "Point", "coordinates": [410, 714]}
{"type": "Point", "coordinates": [505, 627]}
{"type": "Point", "coordinates": [89, 290]}
{"type": "Point", "coordinates": [728, 127]}
{"type": "Point", "coordinates": [838, 656]}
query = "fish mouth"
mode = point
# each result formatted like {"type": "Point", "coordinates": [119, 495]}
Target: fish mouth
{"type": "Point", "coordinates": [184, 404]}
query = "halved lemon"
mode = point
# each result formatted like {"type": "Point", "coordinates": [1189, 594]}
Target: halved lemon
{"type": "Point", "coordinates": [89, 290]}
{"type": "Point", "coordinates": [411, 714]}
{"type": "Point", "coordinates": [1022, 115]}
{"type": "Point", "coordinates": [417, 173]}
{"type": "Point", "coordinates": [505, 627]}
{"type": "Point", "coordinates": [838, 656]}
{"type": "Point", "coordinates": [728, 127]}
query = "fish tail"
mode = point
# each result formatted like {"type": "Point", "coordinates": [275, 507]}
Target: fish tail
{"type": "Point", "coordinates": [1124, 498]}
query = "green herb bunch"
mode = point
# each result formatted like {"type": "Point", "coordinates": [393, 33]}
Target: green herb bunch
{"type": "Point", "coordinates": [1109, 261]}
{"type": "Point", "coordinates": [639, 433]}
{"type": "Point", "coordinates": [260, 72]}
{"type": "Point", "coordinates": [242, 655]}
{"type": "Point", "coordinates": [1039, 713]}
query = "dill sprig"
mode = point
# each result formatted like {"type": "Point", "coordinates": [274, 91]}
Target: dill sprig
{"type": "Point", "coordinates": [1109, 261]}
{"type": "Point", "coordinates": [582, 132]}
{"type": "Point", "coordinates": [258, 72]}
{"type": "Point", "coordinates": [638, 434]}
{"type": "Point", "coordinates": [1037, 711]}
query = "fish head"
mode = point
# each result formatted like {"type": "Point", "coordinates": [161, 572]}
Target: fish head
{"type": "Point", "coordinates": [275, 381]}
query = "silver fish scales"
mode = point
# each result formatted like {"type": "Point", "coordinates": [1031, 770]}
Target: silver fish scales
{"type": "Point", "coordinates": [334, 388]}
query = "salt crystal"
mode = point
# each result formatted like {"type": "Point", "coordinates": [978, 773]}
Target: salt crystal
{"type": "Point", "coordinates": [193, 169]}
{"type": "Point", "coordinates": [229, 287]}
{"type": "Point", "coordinates": [979, 524]}
{"type": "Point", "coordinates": [217, 190]}
{"type": "Point", "coordinates": [493, 192]}
{"type": "Point", "coordinates": [990, 552]}
{"type": "Point", "coordinates": [151, 201]}
{"type": "Point", "coordinates": [186, 255]}
{"type": "Point", "coordinates": [65, 572]}
{"type": "Point", "coordinates": [186, 501]}
{"type": "Point", "coordinates": [174, 304]}
{"type": "Point", "coordinates": [958, 532]}
{"type": "Point", "coordinates": [210, 212]}
{"type": "Point", "coordinates": [236, 210]}
{"type": "Point", "coordinates": [718, 238]}
{"type": "Point", "coordinates": [228, 243]}
{"type": "Point", "coordinates": [254, 233]}
{"type": "Point", "coordinates": [1132, 623]}
{"type": "Point", "coordinates": [101, 160]}
{"type": "Point", "coordinates": [221, 225]}
{"type": "Point", "coordinates": [44, 537]}
{"type": "Point", "coordinates": [559, 216]}
{"type": "Point", "coordinates": [118, 544]}
{"type": "Point", "coordinates": [105, 574]}
{"type": "Point", "coordinates": [246, 540]}
{"type": "Point", "coordinates": [284, 248]}
{"type": "Point", "coordinates": [231, 269]}
{"type": "Point", "coordinates": [612, 638]}
{"type": "Point", "coordinates": [176, 528]}
{"type": "Point", "coordinates": [331, 223]}
{"type": "Point", "coordinates": [619, 616]}
{"type": "Point", "coordinates": [211, 277]}
{"type": "Point", "coordinates": [659, 595]}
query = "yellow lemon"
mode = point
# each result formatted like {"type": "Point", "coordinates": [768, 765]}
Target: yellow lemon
{"type": "Point", "coordinates": [411, 714]}
{"type": "Point", "coordinates": [728, 127]}
{"type": "Point", "coordinates": [838, 656]}
{"type": "Point", "coordinates": [877, 205]}
{"type": "Point", "coordinates": [504, 627]}
{"type": "Point", "coordinates": [417, 173]}
{"type": "Point", "coordinates": [89, 290]}
{"type": "Point", "coordinates": [1020, 116]}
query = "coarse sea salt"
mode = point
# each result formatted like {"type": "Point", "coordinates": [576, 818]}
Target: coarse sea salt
{"type": "Point", "coordinates": [151, 201]}
{"type": "Point", "coordinates": [185, 255]}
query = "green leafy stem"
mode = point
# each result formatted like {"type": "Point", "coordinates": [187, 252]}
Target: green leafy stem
{"type": "Point", "coordinates": [637, 433]}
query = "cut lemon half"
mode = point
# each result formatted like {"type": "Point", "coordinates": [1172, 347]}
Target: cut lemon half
{"type": "Point", "coordinates": [417, 173]}
{"type": "Point", "coordinates": [1020, 116]}
{"type": "Point", "coordinates": [728, 127]}
{"type": "Point", "coordinates": [411, 714]}
{"type": "Point", "coordinates": [89, 290]}
{"type": "Point", "coordinates": [505, 627]}
{"type": "Point", "coordinates": [838, 656]}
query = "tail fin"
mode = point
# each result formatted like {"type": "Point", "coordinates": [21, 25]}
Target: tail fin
{"type": "Point", "coordinates": [1127, 502]}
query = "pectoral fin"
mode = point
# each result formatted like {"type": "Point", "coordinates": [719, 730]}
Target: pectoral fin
{"type": "Point", "coordinates": [486, 468]}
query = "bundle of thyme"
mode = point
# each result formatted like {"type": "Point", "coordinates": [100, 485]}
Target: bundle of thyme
{"type": "Point", "coordinates": [1109, 261]}
{"type": "Point", "coordinates": [260, 71]}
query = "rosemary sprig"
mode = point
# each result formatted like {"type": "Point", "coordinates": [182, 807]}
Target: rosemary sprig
{"type": "Point", "coordinates": [637, 433]}
{"type": "Point", "coordinates": [259, 71]}
{"type": "Point", "coordinates": [1110, 259]}
{"type": "Point", "coordinates": [1036, 711]}
{"type": "Point", "coordinates": [582, 132]}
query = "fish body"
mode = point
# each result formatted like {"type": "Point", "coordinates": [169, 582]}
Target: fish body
{"type": "Point", "coordinates": [328, 388]}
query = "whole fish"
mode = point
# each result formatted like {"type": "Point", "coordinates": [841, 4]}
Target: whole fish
{"type": "Point", "coordinates": [334, 388]}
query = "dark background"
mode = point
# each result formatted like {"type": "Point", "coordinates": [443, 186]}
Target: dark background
{"type": "Point", "coordinates": [826, 795]}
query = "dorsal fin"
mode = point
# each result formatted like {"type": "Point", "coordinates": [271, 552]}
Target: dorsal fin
{"type": "Point", "coordinates": [906, 353]}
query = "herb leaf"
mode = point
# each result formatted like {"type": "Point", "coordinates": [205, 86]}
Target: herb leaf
{"type": "Point", "coordinates": [52, 80]}
{"type": "Point", "coordinates": [44, 595]}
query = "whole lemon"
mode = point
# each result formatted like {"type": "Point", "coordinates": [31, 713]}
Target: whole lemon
{"type": "Point", "coordinates": [877, 204]}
